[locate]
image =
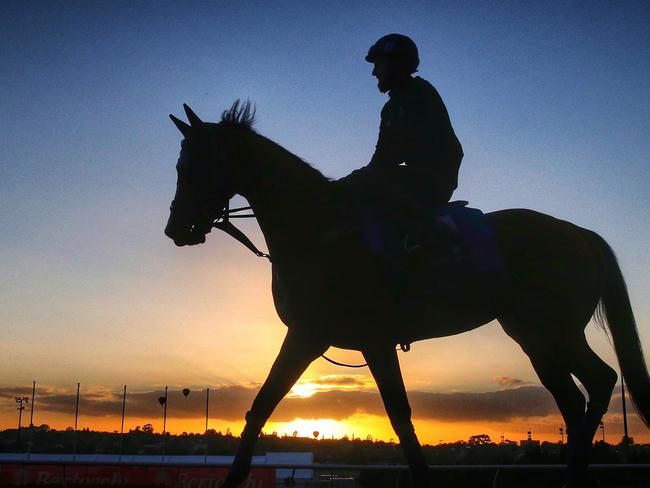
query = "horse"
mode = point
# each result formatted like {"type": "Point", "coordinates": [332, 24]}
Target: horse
{"type": "Point", "coordinates": [330, 290]}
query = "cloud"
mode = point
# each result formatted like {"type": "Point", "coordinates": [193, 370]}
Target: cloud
{"type": "Point", "coordinates": [232, 402]}
{"type": "Point", "coordinates": [343, 380]}
{"type": "Point", "coordinates": [509, 382]}
{"type": "Point", "coordinates": [19, 391]}
{"type": "Point", "coordinates": [503, 405]}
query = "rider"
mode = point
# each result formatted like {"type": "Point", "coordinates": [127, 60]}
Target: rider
{"type": "Point", "coordinates": [417, 156]}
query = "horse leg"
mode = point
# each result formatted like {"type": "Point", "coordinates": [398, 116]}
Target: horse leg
{"type": "Point", "coordinates": [384, 366]}
{"type": "Point", "coordinates": [553, 370]}
{"type": "Point", "coordinates": [599, 380]}
{"type": "Point", "coordinates": [295, 355]}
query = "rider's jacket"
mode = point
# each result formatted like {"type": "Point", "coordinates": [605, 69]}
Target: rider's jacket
{"type": "Point", "coordinates": [415, 130]}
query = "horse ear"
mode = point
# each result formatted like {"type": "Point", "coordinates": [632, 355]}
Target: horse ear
{"type": "Point", "coordinates": [192, 117]}
{"type": "Point", "coordinates": [182, 126]}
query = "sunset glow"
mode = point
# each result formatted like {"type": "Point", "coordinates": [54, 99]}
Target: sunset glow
{"type": "Point", "coordinates": [358, 412]}
{"type": "Point", "coordinates": [550, 101]}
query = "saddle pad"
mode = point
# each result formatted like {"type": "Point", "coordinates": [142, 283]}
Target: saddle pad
{"type": "Point", "coordinates": [476, 237]}
{"type": "Point", "coordinates": [451, 243]}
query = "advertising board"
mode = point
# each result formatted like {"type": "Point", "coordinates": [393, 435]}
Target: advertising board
{"type": "Point", "coordinates": [126, 475]}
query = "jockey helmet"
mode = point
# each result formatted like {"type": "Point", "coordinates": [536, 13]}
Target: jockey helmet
{"type": "Point", "coordinates": [398, 47]}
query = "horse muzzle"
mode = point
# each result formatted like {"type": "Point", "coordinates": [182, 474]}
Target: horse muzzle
{"type": "Point", "coordinates": [183, 236]}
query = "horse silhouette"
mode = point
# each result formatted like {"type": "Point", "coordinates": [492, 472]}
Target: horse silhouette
{"type": "Point", "coordinates": [329, 290]}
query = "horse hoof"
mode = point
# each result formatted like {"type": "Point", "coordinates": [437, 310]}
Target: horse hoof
{"type": "Point", "coordinates": [233, 480]}
{"type": "Point", "coordinates": [232, 483]}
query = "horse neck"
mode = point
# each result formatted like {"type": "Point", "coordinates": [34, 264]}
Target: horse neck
{"type": "Point", "coordinates": [286, 194]}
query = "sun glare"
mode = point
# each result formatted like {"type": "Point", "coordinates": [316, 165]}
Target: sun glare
{"type": "Point", "coordinates": [316, 428]}
{"type": "Point", "coordinates": [303, 390]}
{"type": "Point", "coordinates": [307, 387]}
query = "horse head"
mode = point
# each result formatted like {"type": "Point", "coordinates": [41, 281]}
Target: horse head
{"type": "Point", "coordinates": [203, 188]}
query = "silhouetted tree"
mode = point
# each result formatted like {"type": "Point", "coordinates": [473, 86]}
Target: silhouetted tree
{"type": "Point", "coordinates": [479, 440]}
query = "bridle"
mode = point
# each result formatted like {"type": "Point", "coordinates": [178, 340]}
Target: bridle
{"type": "Point", "coordinates": [223, 223]}
{"type": "Point", "coordinates": [207, 220]}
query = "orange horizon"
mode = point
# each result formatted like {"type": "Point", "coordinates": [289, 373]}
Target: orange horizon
{"type": "Point", "coordinates": [360, 426]}
{"type": "Point", "coordinates": [100, 410]}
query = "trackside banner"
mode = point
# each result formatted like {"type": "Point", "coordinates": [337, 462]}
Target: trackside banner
{"type": "Point", "coordinates": [126, 475]}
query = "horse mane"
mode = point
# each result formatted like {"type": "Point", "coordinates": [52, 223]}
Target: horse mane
{"type": "Point", "coordinates": [242, 115]}
{"type": "Point", "coordinates": [296, 165]}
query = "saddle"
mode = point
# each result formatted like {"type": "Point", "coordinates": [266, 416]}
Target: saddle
{"type": "Point", "coordinates": [442, 247]}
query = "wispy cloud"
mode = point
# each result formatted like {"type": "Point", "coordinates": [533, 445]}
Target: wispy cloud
{"type": "Point", "coordinates": [343, 380]}
{"type": "Point", "coordinates": [509, 382]}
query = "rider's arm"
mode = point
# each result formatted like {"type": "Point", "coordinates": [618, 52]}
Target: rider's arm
{"type": "Point", "coordinates": [389, 147]}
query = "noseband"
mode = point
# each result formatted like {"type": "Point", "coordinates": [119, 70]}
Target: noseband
{"type": "Point", "coordinates": [222, 222]}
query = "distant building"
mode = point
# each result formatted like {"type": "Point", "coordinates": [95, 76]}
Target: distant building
{"type": "Point", "coordinates": [529, 443]}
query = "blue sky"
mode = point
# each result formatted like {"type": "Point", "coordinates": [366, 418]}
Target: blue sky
{"type": "Point", "coordinates": [549, 99]}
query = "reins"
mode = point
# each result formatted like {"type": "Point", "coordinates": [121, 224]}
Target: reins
{"type": "Point", "coordinates": [402, 347]}
{"type": "Point", "coordinates": [223, 223]}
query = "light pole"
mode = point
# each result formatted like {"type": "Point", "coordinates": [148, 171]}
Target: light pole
{"type": "Point", "coordinates": [561, 435]}
{"type": "Point", "coordinates": [76, 418]}
{"type": "Point", "coordinates": [602, 427]}
{"type": "Point", "coordinates": [21, 401]}
{"type": "Point", "coordinates": [205, 434]}
{"type": "Point", "coordinates": [626, 439]}
{"type": "Point", "coordinates": [31, 415]}
{"type": "Point", "coordinates": [163, 401]}
{"type": "Point", "coordinates": [122, 429]}
{"type": "Point", "coordinates": [625, 434]}
{"type": "Point", "coordinates": [31, 422]}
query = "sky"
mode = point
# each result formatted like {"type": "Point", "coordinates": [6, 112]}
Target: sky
{"type": "Point", "coordinates": [549, 99]}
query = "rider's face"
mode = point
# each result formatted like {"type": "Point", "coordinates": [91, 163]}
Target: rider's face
{"type": "Point", "coordinates": [385, 72]}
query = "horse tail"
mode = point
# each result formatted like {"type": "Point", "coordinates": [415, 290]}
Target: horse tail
{"type": "Point", "coordinates": [614, 310]}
